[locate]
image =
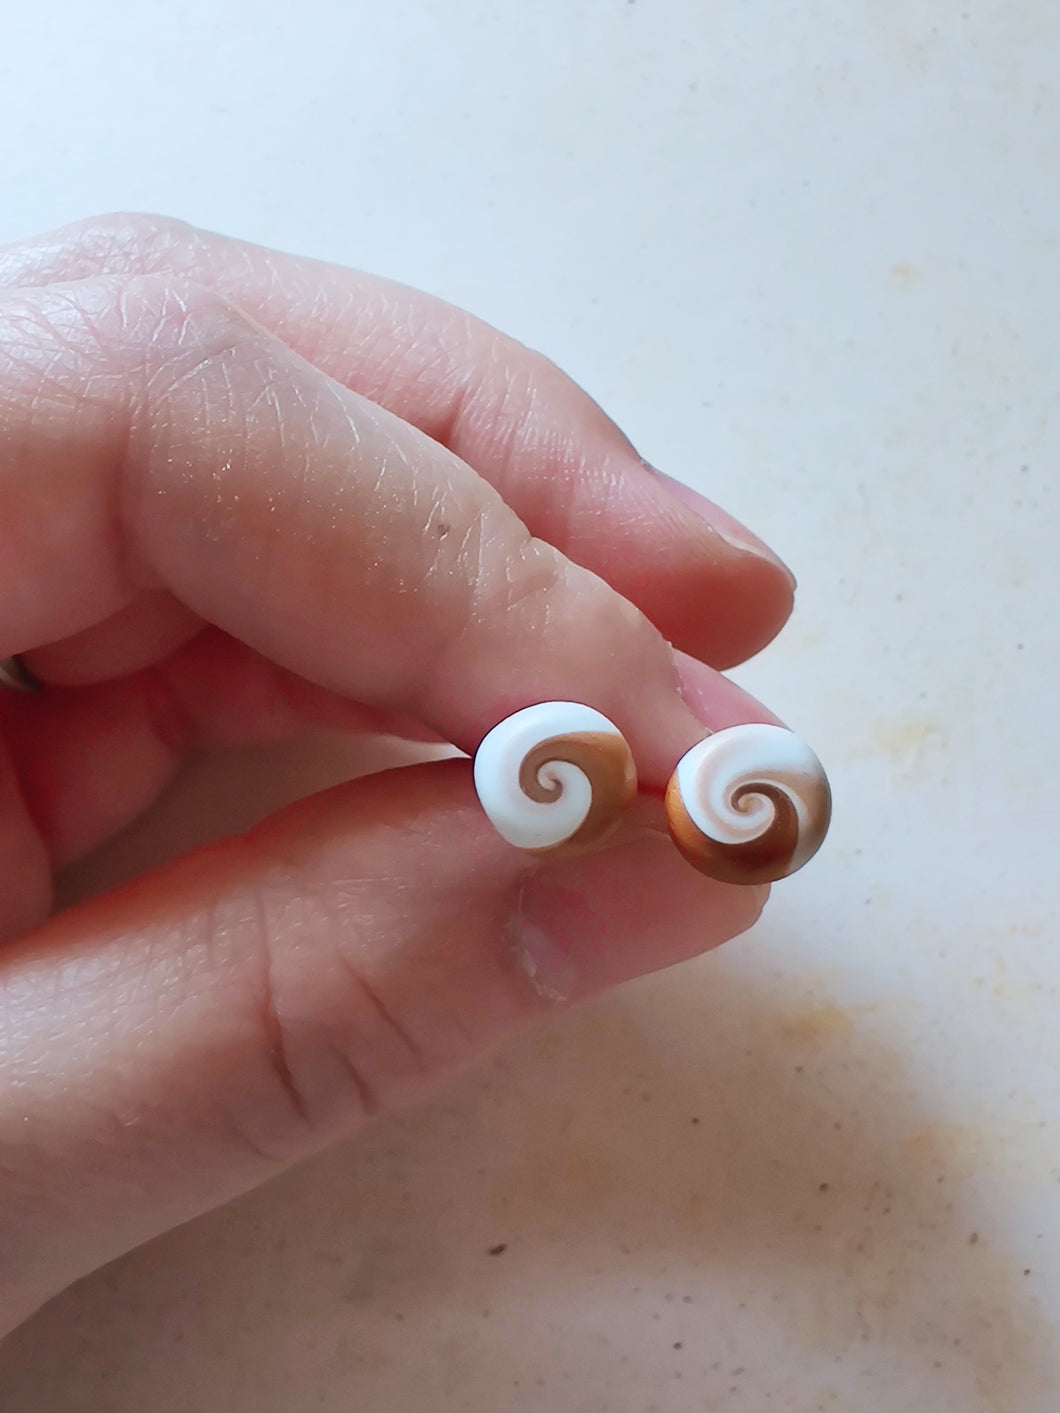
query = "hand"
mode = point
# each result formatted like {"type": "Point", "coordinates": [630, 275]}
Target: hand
{"type": "Point", "coordinates": [241, 496]}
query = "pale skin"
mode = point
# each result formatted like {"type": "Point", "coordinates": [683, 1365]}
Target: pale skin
{"type": "Point", "coordinates": [244, 496]}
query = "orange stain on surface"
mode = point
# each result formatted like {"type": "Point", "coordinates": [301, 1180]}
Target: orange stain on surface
{"type": "Point", "coordinates": [816, 1026]}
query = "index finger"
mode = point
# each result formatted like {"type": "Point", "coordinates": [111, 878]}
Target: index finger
{"type": "Point", "coordinates": [568, 472]}
{"type": "Point", "coordinates": [152, 435]}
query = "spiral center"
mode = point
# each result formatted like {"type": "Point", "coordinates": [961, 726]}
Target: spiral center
{"type": "Point", "coordinates": [550, 784]}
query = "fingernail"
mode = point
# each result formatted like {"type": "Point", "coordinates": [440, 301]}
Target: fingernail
{"type": "Point", "coordinates": [581, 926]}
{"type": "Point", "coordinates": [724, 524]}
{"type": "Point", "coordinates": [544, 935]}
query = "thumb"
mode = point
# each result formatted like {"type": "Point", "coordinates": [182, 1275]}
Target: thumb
{"type": "Point", "coordinates": [184, 1038]}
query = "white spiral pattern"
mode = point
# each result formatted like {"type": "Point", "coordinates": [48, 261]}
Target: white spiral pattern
{"type": "Point", "coordinates": [539, 825]}
{"type": "Point", "coordinates": [721, 783]}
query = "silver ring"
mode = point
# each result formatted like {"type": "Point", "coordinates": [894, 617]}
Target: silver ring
{"type": "Point", "coordinates": [15, 676]}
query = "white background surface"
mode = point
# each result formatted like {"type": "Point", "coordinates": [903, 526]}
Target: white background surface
{"type": "Point", "coordinates": [808, 255]}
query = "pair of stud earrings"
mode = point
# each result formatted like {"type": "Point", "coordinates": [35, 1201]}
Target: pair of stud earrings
{"type": "Point", "coordinates": [749, 804]}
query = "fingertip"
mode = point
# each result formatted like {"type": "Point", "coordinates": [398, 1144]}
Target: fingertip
{"type": "Point", "coordinates": [710, 585]}
{"type": "Point", "coordinates": [733, 531]}
{"type": "Point", "coordinates": [751, 603]}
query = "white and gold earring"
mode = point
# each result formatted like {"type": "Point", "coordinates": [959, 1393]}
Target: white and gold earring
{"type": "Point", "coordinates": [749, 804]}
{"type": "Point", "coordinates": [555, 777]}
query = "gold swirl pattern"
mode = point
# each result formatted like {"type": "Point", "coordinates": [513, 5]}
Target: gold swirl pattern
{"type": "Point", "coordinates": [750, 804]}
{"type": "Point", "coordinates": [555, 777]}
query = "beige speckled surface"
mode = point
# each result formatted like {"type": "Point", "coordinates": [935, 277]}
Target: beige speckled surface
{"type": "Point", "coordinates": [809, 255]}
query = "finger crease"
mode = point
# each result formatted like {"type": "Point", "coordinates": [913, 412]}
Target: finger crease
{"type": "Point", "coordinates": [392, 1023]}
{"type": "Point", "coordinates": [366, 1095]}
{"type": "Point", "coordinates": [272, 1026]}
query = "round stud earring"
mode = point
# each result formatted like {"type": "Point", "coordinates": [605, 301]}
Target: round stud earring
{"type": "Point", "coordinates": [555, 777]}
{"type": "Point", "coordinates": [749, 804]}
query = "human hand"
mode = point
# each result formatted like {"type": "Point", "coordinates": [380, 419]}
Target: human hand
{"type": "Point", "coordinates": [244, 495]}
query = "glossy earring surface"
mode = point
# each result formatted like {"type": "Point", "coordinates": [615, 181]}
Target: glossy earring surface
{"type": "Point", "coordinates": [749, 804]}
{"type": "Point", "coordinates": [555, 777]}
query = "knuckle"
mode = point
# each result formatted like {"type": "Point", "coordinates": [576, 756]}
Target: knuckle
{"type": "Point", "coordinates": [120, 242]}
{"type": "Point", "coordinates": [165, 314]}
{"type": "Point", "coordinates": [175, 326]}
{"type": "Point", "coordinates": [163, 370]}
{"type": "Point", "coordinates": [116, 243]}
{"type": "Point", "coordinates": [117, 326]}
